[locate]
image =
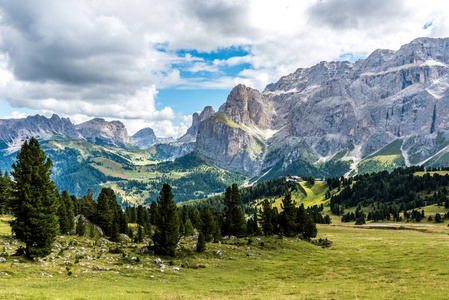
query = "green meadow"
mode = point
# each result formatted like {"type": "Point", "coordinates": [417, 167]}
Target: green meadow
{"type": "Point", "coordinates": [364, 262]}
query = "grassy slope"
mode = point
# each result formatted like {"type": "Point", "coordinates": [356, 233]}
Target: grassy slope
{"type": "Point", "coordinates": [388, 158]}
{"type": "Point", "coordinates": [362, 263]}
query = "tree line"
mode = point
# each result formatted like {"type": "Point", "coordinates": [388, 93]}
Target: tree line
{"type": "Point", "coordinates": [41, 212]}
{"type": "Point", "coordinates": [388, 194]}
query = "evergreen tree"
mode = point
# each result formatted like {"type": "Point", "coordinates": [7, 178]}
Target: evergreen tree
{"type": "Point", "coordinates": [70, 209]}
{"type": "Point", "coordinates": [189, 230]}
{"type": "Point", "coordinates": [5, 191]}
{"type": "Point", "coordinates": [88, 206]}
{"type": "Point", "coordinates": [104, 213]}
{"type": "Point", "coordinates": [76, 205]}
{"type": "Point", "coordinates": [310, 230]}
{"type": "Point", "coordinates": [34, 204]}
{"type": "Point", "coordinates": [153, 213]}
{"type": "Point", "coordinates": [287, 216]}
{"type": "Point", "coordinates": [139, 237]}
{"type": "Point", "coordinates": [266, 215]}
{"type": "Point", "coordinates": [80, 226]}
{"type": "Point", "coordinates": [196, 218]}
{"type": "Point", "coordinates": [62, 216]}
{"type": "Point", "coordinates": [166, 236]}
{"type": "Point", "coordinates": [201, 244]}
{"type": "Point", "coordinates": [208, 224]}
{"type": "Point", "coordinates": [235, 223]}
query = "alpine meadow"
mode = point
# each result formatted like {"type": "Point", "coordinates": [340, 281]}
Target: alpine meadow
{"type": "Point", "coordinates": [224, 149]}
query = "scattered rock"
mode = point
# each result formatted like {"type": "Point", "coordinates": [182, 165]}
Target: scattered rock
{"type": "Point", "coordinates": [158, 261]}
{"type": "Point", "coordinates": [176, 269]}
{"type": "Point", "coordinates": [2, 259]}
{"type": "Point", "coordinates": [96, 268]}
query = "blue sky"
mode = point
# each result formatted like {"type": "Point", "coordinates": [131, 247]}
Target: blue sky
{"type": "Point", "coordinates": [152, 63]}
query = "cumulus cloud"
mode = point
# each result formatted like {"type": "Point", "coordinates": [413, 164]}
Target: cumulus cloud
{"type": "Point", "coordinates": [85, 59]}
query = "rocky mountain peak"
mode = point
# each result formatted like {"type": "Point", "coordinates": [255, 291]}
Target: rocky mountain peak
{"type": "Point", "coordinates": [144, 138]}
{"type": "Point", "coordinates": [247, 106]}
{"type": "Point", "coordinates": [197, 117]}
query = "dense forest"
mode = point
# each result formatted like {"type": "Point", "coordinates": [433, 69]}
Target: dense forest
{"type": "Point", "coordinates": [384, 195]}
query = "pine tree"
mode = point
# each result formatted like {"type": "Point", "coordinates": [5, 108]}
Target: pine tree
{"type": "Point", "coordinates": [189, 230]}
{"type": "Point", "coordinates": [5, 190]}
{"type": "Point", "coordinates": [62, 216]}
{"type": "Point", "coordinates": [104, 213]}
{"type": "Point", "coordinates": [208, 224]}
{"type": "Point", "coordinates": [235, 223]}
{"type": "Point", "coordinates": [201, 244]}
{"type": "Point", "coordinates": [88, 206]}
{"type": "Point", "coordinates": [139, 237]}
{"type": "Point", "coordinates": [70, 210]}
{"type": "Point", "coordinates": [34, 204]}
{"type": "Point", "coordinates": [153, 213]}
{"type": "Point", "coordinates": [310, 230]}
{"type": "Point", "coordinates": [166, 236]}
{"type": "Point", "coordinates": [266, 217]}
{"type": "Point", "coordinates": [80, 226]}
{"type": "Point", "coordinates": [287, 216]}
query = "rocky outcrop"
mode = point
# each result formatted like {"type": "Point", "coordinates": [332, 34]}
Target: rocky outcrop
{"type": "Point", "coordinates": [317, 112]}
{"type": "Point", "coordinates": [144, 138]}
{"type": "Point", "coordinates": [191, 133]}
{"type": "Point", "coordinates": [100, 131]}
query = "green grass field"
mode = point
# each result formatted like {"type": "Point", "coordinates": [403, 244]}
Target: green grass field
{"type": "Point", "coordinates": [361, 263]}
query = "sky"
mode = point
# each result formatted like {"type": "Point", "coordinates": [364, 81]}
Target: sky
{"type": "Point", "coordinates": [153, 63]}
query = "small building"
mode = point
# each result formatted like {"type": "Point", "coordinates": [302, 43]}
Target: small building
{"type": "Point", "coordinates": [296, 179]}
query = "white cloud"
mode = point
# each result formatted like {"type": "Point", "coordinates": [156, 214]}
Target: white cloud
{"type": "Point", "coordinates": [86, 59]}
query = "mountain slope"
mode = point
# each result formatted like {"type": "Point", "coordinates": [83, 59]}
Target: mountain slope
{"type": "Point", "coordinates": [314, 114]}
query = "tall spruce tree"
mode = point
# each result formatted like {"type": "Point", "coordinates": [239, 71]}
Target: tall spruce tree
{"type": "Point", "coordinates": [208, 224]}
{"type": "Point", "coordinates": [166, 235]}
{"type": "Point", "coordinates": [235, 223]}
{"type": "Point", "coordinates": [104, 213]}
{"type": "Point", "coordinates": [62, 216]}
{"type": "Point", "coordinates": [70, 209]}
{"type": "Point", "coordinates": [5, 193]}
{"type": "Point", "coordinates": [287, 216]}
{"type": "Point", "coordinates": [34, 204]}
{"type": "Point", "coordinates": [266, 217]}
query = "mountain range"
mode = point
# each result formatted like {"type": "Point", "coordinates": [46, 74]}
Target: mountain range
{"type": "Point", "coordinates": [332, 119]}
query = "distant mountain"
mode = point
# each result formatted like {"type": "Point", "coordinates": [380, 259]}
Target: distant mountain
{"type": "Point", "coordinates": [144, 138]}
{"type": "Point", "coordinates": [13, 132]}
{"type": "Point", "coordinates": [100, 131]}
{"type": "Point", "coordinates": [390, 109]}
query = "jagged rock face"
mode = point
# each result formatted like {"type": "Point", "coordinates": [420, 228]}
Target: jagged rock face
{"type": "Point", "coordinates": [13, 132]}
{"type": "Point", "coordinates": [191, 133]}
{"type": "Point", "coordinates": [227, 145]}
{"type": "Point", "coordinates": [144, 138]}
{"type": "Point", "coordinates": [247, 106]}
{"type": "Point", "coordinates": [99, 130]}
{"type": "Point", "coordinates": [339, 105]}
